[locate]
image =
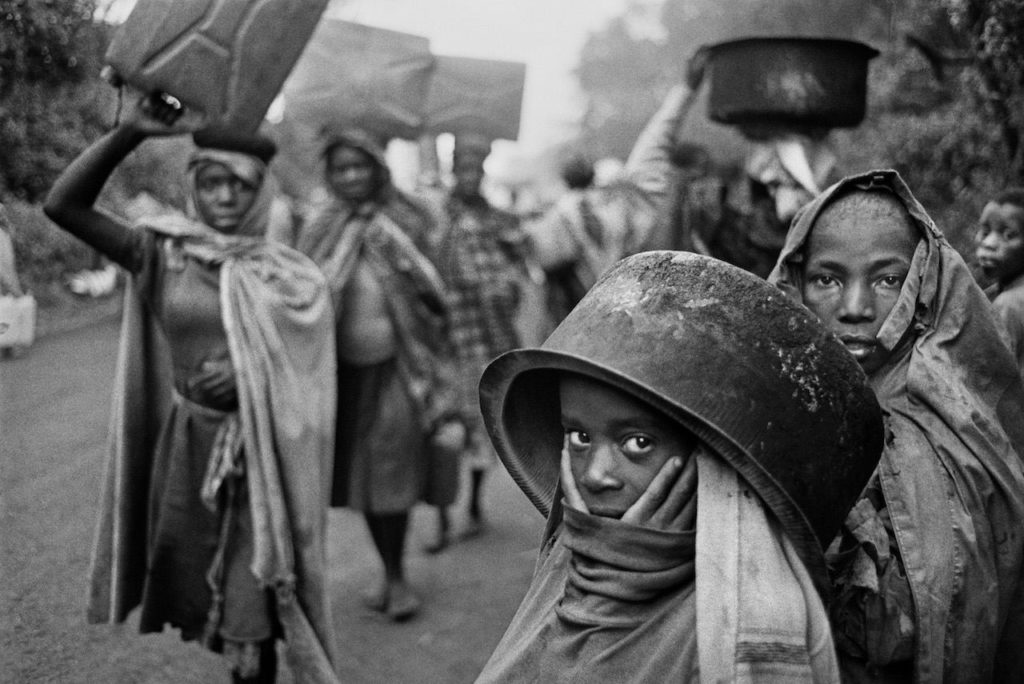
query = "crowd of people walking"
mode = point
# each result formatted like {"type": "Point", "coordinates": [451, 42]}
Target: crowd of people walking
{"type": "Point", "coordinates": [785, 446]}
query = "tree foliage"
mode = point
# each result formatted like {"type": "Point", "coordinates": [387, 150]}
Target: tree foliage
{"type": "Point", "coordinates": [51, 101]}
{"type": "Point", "coordinates": [994, 32]}
{"type": "Point", "coordinates": [46, 41]}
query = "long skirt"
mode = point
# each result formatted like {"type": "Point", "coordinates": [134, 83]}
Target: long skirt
{"type": "Point", "coordinates": [383, 463]}
{"type": "Point", "coordinates": [185, 535]}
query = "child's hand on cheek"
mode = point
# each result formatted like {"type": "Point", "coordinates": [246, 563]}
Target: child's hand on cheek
{"type": "Point", "coordinates": [670, 500]}
{"type": "Point", "coordinates": [573, 499]}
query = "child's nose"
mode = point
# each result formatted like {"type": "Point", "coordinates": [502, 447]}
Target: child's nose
{"type": "Point", "coordinates": [600, 473]}
{"type": "Point", "coordinates": [858, 303]}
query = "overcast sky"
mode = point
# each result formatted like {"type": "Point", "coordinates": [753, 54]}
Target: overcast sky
{"type": "Point", "coordinates": [545, 34]}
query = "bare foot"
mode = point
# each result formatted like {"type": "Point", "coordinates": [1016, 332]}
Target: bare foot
{"type": "Point", "coordinates": [439, 544]}
{"type": "Point", "coordinates": [378, 598]}
{"type": "Point", "coordinates": [474, 527]}
{"type": "Point", "coordinates": [403, 602]}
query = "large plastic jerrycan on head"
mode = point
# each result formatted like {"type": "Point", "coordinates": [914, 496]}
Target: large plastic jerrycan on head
{"type": "Point", "coordinates": [225, 58]}
{"type": "Point", "coordinates": [479, 96]}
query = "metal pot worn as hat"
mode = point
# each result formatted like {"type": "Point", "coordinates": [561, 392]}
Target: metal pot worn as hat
{"type": "Point", "coordinates": [728, 356]}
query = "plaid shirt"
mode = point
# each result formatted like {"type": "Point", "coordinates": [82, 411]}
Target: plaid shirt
{"type": "Point", "coordinates": [481, 261]}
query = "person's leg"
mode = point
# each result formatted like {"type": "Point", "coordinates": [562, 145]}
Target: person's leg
{"type": "Point", "coordinates": [440, 543]}
{"type": "Point", "coordinates": [377, 599]}
{"type": "Point", "coordinates": [268, 662]}
{"type": "Point", "coordinates": [476, 516]}
{"type": "Point", "coordinates": [402, 602]}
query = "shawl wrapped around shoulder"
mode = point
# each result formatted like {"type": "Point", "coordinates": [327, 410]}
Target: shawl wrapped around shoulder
{"type": "Point", "coordinates": [337, 236]}
{"type": "Point", "coordinates": [758, 618]}
{"type": "Point", "coordinates": [277, 315]}
{"type": "Point", "coordinates": [950, 473]}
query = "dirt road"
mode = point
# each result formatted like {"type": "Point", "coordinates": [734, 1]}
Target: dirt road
{"type": "Point", "coordinates": [53, 421]}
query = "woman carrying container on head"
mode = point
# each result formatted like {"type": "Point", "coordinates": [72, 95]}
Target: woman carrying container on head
{"type": "Point", "coordinates": [398, 425]}
{"type": "Point", "coordinates": [712, 438]}
{"type": "Point", "coordinates": [927, 569]}
{"type": "Point", "coordinates": [214, 507]}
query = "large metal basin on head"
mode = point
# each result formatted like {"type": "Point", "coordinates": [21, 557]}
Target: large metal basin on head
{"type": "Point", "coordinates": [817, 82]}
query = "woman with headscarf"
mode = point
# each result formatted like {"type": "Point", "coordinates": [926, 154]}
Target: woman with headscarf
{"type": "Point", "coordinates": [927, 569]}
{"type": "Point", "coordinates": [213, 515]}
{"type": "Point", "coordinates": [398, 427]}
{"type": "Point", "coordinates": [712, 437]}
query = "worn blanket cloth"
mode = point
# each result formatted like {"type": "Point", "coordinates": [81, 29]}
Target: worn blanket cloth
{"type": "Point", "coordinates": [950, 472]}
{"type": "Point", "coordinates": [612, 601]}
{"type": "Point", "coordinates": [336, 239]}
{"type": "Point", "coordinates": [759, 617]}
{"type": "Point", "coordinates": [339, 236]}
{"type": "Point", "coordinates": [277, 317]}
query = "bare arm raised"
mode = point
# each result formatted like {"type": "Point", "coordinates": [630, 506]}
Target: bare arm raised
{"type": "Point", "coordinates": [71, 201]}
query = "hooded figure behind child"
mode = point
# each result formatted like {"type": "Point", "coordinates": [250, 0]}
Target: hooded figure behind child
{"type": "Point", "coordinates": [927, 571]}
{"type": "Point", "coordinates": [712, 438]}
{"type": "Point", "coordinates": [1000, 254]}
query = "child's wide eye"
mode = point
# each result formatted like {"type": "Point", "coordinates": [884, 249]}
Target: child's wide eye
{"type": "Point", "coordinates": [637, 445]}
{"type": "Point", "coordinates": [577, 439]}
{"type": "Point", "coordinates": [823, 281]}
{"type": "Point", "coordinates": [892, 282]}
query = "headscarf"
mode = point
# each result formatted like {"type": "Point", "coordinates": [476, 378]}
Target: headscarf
{"type": "Point", "coordinates": [330, 215]}
{"type": "Point", "coordinates": [364, 141]}
{"type": "Point", "coordinates": [249, 169]}
{"type": "Point", "coordinates": [951, 472]}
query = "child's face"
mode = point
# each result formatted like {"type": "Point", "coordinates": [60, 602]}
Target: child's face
{"type": "Point", "coordinates": [1000, 241]}
{"type": "Point", "coordinates": [616, 443]}
{"type": "Point", "coordinates": [857, 257]}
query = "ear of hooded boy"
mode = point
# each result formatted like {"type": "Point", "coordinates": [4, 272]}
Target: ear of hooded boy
{"type": "Point", "coordinates": [616, 443]}
{"type": "Point", "coordinates": [856, 260]}
{"type": "Point", "coordinates": [1000, 241]}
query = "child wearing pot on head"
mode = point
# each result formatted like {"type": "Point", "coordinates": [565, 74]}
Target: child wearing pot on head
{"type": "Point", "coordinates": [1000, 254]}
{"type": "Point", "coordinates": [693, 439]}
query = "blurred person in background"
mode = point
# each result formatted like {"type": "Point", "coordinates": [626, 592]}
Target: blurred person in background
{"type": "Point", "coordinates": [481, 252]}
{"type": "Point", "coordinates": [999, 252]}
{"type": "Point", "coordinates": [399, 428]}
